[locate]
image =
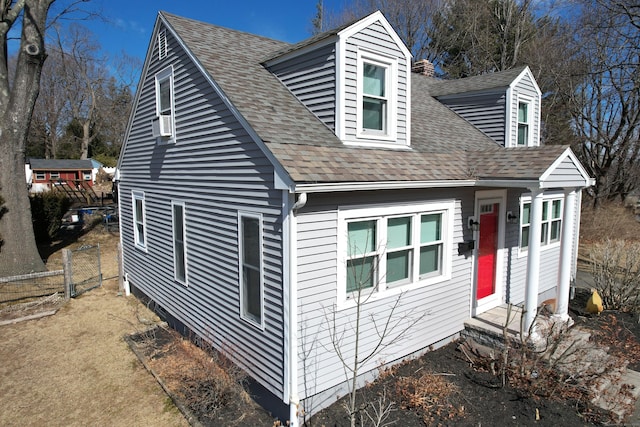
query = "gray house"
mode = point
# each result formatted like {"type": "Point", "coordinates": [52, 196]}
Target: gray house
{"type": "Point", "coordinates": [256, 176]}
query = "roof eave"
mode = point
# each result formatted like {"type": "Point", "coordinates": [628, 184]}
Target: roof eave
{"type": "Point", "coordinates": [328, 187]}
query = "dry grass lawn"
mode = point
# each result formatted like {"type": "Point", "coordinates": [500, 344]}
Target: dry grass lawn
{"type": "Point", "coordinates": [74, 368]}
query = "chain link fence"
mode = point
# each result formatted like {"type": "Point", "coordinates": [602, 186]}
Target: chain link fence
{"type": "Point", "coordinates": [81, 272]}
{"type": "Point", "coordinates": [85, 273]}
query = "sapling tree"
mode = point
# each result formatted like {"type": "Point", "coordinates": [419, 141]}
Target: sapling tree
{"type": "Point", "coordinates": [389, 328]}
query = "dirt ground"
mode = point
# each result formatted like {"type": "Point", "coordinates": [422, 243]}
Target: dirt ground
{"type": "Point", "coordinates": [75, 368]}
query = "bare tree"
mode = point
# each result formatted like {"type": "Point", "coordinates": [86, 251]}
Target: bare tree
{"type": "Point", "coordinates": [346, 338]}
{"type": "Point", "coordinates": [606, 101]}
{"type": "Point", "coordinates": [469, 37]}
{"type": "Point", "coordinates": [50, 111]}
{"type": "Point", "coordinates": [84, 75]}
{"type": "Point", "coordinates": [411, 19]}
{"type": "Point", "coordinates": [18, 250]}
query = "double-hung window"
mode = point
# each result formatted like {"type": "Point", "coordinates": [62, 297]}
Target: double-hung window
{"type": "Point", "coordinates": [391, 249]}
{"type": "Point", "coordinates": [523, 124]}
{"type": "Point", "coordinates": [250, 249]}
{"type": "Point", "coordinates": [139, 220]}
{"type": "Point", "coordinates": [41, 176]}
{"type": "Point", "coordinates": [54, 175]}
{"type": "Point", "coordinates": [376, 96]}
{"type": "Point", "coordinates": [179, 242]}
{"type": "Point", "coordinates": [551, 221]}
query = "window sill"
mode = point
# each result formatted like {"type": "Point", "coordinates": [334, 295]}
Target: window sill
{"type": "Point", "coordinates": [369, 297]}
{"type": "Point", "coordinates": [524, 252]}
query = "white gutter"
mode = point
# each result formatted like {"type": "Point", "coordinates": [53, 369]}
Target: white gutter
{"type": "Point", "coordinates": [387, 185]}
{"type": "Point", "coordinates": [294, 400]}
{"type": "Point", "coordinates": [396, 185]}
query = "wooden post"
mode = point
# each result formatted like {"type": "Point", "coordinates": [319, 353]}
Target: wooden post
{"type": "Point", "coordinates": [68, 273]}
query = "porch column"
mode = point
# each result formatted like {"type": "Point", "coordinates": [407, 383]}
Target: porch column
{"type": "Point", "coordinates": [533, 259]}
{"type": "Point", "coordinates": [566, 254]}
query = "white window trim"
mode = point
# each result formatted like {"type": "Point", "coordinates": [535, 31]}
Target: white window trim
{"type": "Point", "coordinates": [391, 79]}
{"type": "Point", "coordinates": [166, 74]}
{"type": "Point", "coordinates": [380, 213]}
{"type": "Point", "coordinates": [139, 195]}
{"type": "Point", "coordinates": [530, 106]}
{"type": "Point", "coordinates": [184, 282]}
{"type": "Point", "coordinates": [86, 176]}
{"type": "Point", "coordinates": [243, 316]}
{"type": "Point", "coordinates": [40, 176]}
{"type": "Point", "coordinates": [54, 175]}
{"type": "Point", "coordinates": [526, 198]}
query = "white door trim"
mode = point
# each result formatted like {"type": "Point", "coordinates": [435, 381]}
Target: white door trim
{"type": "Point", "coordinates": [487, 303]}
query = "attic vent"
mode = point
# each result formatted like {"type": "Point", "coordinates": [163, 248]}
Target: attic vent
{"type": "Point", "coordinates": [162, 45]}
{"type": "Point", "coordinates": [424, 67]}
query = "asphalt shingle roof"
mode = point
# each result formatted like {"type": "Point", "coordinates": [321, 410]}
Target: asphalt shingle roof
{"type": "Point", "coordinates": [60, 164]}
{"type": "Point", "coordinates": [443, 145]}
{"type": "Point", "coordinates": [497, 80]}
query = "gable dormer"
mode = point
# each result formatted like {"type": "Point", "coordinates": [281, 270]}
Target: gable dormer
{"type": "Point", "coordinates": [523, 111]}
{"type": "Point", "coordinates": [355, 79]}
{"type": "Point", "coordinates": [504, 105]}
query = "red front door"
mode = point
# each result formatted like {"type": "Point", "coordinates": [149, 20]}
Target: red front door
{"type": "Point", "coordinates": [487, 249]}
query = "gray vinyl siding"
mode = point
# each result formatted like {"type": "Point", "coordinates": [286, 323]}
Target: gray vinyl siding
{"type": "Point", "coordinates": [526, 88]}
{"type": "Point", "coordinates": [485, 111]}
{"type": "Point", "coordinates": [376, 39]}
{"type": "Point", "coordinates": [312, 79]}
{"type": "Point", "coordinates": [445, 305]}
{"type": "Point", "coordinates": [516, 260]}
{"type": "Point", "coordinates": [565, 175]}
{"type": "Point", "coordinates": [217, 170]}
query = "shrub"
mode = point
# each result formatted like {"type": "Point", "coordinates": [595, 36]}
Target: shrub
{"type": "Point", "coordinates": [47, 210]}
{"type": "Point", "coordinates": [616, 272]}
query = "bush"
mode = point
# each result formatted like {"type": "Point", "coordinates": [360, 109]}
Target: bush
{"type": "Point", "coordinates": [47, 210]}
{"type": "Point", "coordinates": [616, 272]}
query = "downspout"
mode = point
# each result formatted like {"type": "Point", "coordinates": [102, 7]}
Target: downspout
{"type": "Point", "coordinates": [293, 310]}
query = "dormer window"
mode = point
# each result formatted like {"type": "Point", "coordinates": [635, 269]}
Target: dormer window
{"type": "Point", "coordinates": [374, 101]}
{"type": "Point", "coordinates": [376, 97]}
{"type": "Point", "coordinates": [523, 124]}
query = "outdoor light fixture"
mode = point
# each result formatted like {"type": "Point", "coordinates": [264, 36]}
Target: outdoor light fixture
{"type": "Point", "coordinates": [512, 218]}
{"type": "Point", "coordinates": [472, 224]}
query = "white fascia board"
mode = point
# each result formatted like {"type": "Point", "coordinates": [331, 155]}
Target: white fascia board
{"type": "Point", "coordinates": [281, 173]}
{"type": "Point", "coordinates": [340, 115]}
{"type": "Point", "coordinates": [368, 20]}
{"type": "Point", "coordinates": [136, 99]}
{"type": "Point", "coordinates": [388, 185]}
{"type": "Point", "coordinates": [570, 154]}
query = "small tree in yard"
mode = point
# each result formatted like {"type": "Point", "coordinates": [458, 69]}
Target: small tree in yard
{"type": "Point", "coordinates": [389, 328]}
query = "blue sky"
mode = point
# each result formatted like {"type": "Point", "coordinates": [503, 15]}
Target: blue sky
{"type": "Point", "coordinates": [130, 22]}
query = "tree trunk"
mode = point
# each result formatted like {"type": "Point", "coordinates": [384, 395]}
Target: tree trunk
{"type": "Point", "coordinates": [84, 148]}
{"type": "Point", "coordinates": [18, 252]}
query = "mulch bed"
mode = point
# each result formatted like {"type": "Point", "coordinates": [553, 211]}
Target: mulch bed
{"type": "Point", "coordinates": [439, 388]}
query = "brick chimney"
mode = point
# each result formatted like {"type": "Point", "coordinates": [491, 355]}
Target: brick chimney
{"type": "Point", "coordinates": [423, 67]}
